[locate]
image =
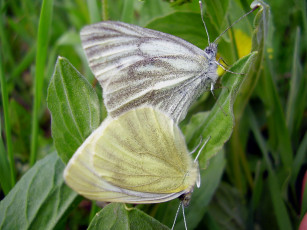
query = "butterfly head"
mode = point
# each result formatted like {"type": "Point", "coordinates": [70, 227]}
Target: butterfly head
{"type": "Point", "coordinates": [186, 198]}
{"type": "Point", "coordinates": [211, 51]}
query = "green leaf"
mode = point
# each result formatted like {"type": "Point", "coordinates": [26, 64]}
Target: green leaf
{"type": "Point", "coordinates": [118, 216]}
{"type": "Point", "coordinates": [39, 199]}
{"type": "Point", "coordinates": [74, 108]}
{"type": "Point", "coordinates": [127, 11]}
{"type": "Point", "coordinates": [153, 9]}
{"type": "Point", "coordinates": [7, 127]}
{"type": "Point", "coordinates": [40, 63]}
{"type": "Point", "coordinates": [219, 123]}
{"type": "Point", "coordinates": [191, 27]}
{"type": "Point", "coordinates": [217, 13]}
{"type": "Point", "coordinates": [5, 178]}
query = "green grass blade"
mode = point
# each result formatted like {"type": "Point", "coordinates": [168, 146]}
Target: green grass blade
{"type": "Point", "coordinates": [298, 94]}
{"type": "Point", "coordinates": [5, 102]}
{"type": "Point", "coordinates": [93, 9]}
{"type": "Point", "coordinates": [41, 55]}
{"type": "Point", "coordinates": [105, 12]}
{"type": "Point", "coordinates": [300, 157]}
{"type": "Point", "coordinates": [127, 12]}
{"type": "Point", "coordinates": [279, 206]}
{"type": "Point", "coordinates": [5, 44]}
{"type": "Point", "coordinates": [5, 178]}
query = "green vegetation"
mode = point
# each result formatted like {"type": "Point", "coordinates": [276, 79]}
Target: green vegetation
{"type": "Point", "coordinates": [254, 180]}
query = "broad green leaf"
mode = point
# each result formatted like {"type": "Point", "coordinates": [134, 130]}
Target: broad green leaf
{"type": "Point", "coordinates": [186, 25]}
{"type": "Point", "coordinates": [219, 123]}
{"type": "Point", "coordinates": [217, 13]}
{"type": "Point", "coordinates": [74, 108]}
{"type": "Point", "coordinates": [39, 199]}
{"type": "Point", "coordinates": [118, 216]}
{"type": "Point", "coordinates": [153, 9]}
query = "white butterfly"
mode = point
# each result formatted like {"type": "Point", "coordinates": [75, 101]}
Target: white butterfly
{"type": "Point", "coordinates": [137, 66]}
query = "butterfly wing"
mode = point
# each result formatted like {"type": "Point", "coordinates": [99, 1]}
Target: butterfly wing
{"type": "Point", "coordinates": [140, 157]}
{"type": "Point", "coordinates": [138, 66]}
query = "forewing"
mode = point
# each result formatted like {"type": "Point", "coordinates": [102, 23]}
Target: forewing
{"type": "Point", "coordinates": [81, 176]}
{"type": "Point", "coordinates": [143, 151]}
{"type": "Point", "coordinates": [138, 66]}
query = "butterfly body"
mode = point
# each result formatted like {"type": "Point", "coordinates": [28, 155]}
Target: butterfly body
{"type": "Point", "coordinates": [137, 66]}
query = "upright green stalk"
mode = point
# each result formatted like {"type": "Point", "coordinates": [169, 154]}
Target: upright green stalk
{"type": "Point", "coordinates": [41, 54]}
{"type": "Point", "coordinates": [105, 13]}
{"type": "Point", "coordinates": [5, 102]}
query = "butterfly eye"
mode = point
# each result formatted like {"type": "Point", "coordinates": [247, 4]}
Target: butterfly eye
{"type": "Point", "coordinates": [209, 52]}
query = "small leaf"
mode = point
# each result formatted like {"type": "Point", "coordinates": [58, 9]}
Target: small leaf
{"type": "Point", "coordinates": [74, 107]}
{"type": "Point", "coordinates": [39, 199]}
{"type": "Point", "coordinates": [118, 216]}
{"type": "Point", "coordinates": [219, 123]}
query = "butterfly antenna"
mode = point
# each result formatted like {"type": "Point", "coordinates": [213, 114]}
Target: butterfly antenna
{"type": "Point", "coordinates": [202, 18]}
{"type": "Point", "coordinates": [194, 150]}
{"type": "Point", "coordinates": [235, 22]}
{"type": "Point", "coordinates": [176, 215]}
{"type": "Point", "coordinates": [185, 222]}
{"type": "Point", "coordinates": [201, 149]}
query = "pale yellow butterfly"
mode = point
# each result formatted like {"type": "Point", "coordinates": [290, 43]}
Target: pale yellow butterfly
{"type": "Point", "coordinates": [139, 157]}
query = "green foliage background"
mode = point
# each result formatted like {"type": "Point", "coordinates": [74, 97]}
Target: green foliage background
{"type": "Point", "coordinates": [255, 181]}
